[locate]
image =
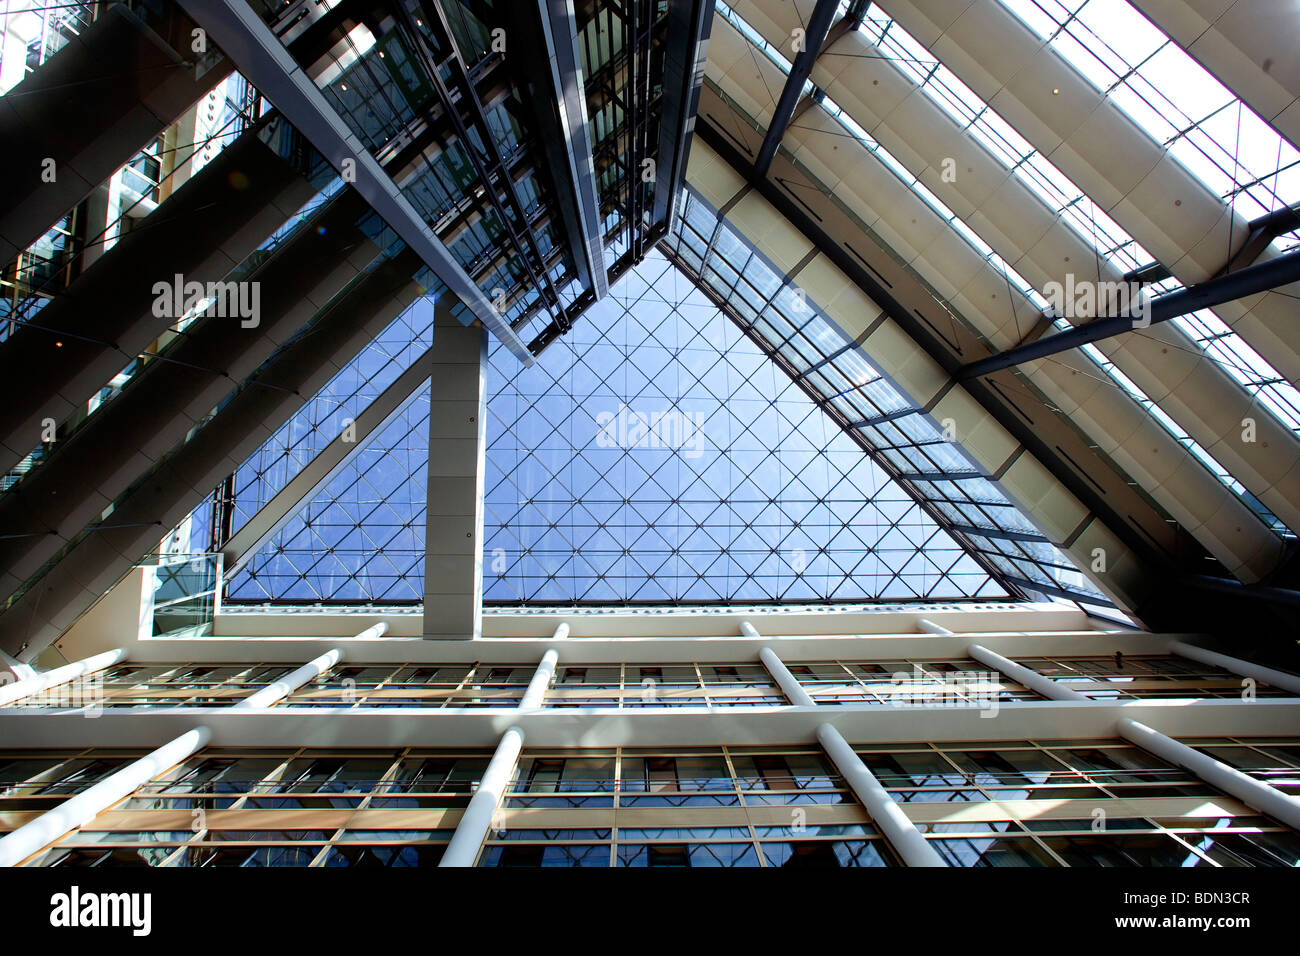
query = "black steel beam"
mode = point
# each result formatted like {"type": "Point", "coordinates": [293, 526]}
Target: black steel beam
{"type": "Point", "coordinates": [56, 361]}
{"type": "Point", "coordinates": [1260, 233]}
{"type": "Point", "coordinates": [89, 109]}
{"type": "Point", "coordinates": [573, 152]}
{"type": "Point", "coordinates": [1283, 270]}
{"type": "Point", "coordinates": [819, 25]}
{"type": "Point", "coordinates": [685, 51]}
{"type": "Point", "coordinates": [92, 561]}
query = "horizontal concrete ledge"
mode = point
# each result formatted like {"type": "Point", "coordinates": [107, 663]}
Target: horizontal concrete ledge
{"type": "Point", "coordinates": [643, 622]}
{"type": "Point", "coordinates": [583, 727]}
{"type": "Point", "coordinates": [658, 650]}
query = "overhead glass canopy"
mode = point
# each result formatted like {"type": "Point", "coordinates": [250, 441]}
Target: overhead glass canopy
{"type": "Point", "coordinates": [653, 456]}
{"type": "Point", "coordinates": [656, 455]}
{"type": "Point", "coordinates": [1203, 327]}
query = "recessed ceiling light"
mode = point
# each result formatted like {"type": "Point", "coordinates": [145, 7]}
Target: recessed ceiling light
{"type": "Point", "coordinates": [1056, 91]}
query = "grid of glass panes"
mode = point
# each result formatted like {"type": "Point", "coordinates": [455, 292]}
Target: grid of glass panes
{"type": "Point", "coordinates": [238, 807]}
{"type": "Point", "coordinates": [416, 685]}
{"type": "Point", "coordinates": [1085, 803]}
{"type": "Point", "coordinates": [175, 335]}
{"type": "Point", "coordinates": [1251, 371]}
{"type": "Point", "coordinates": [681, 807]}
{"type": "Point", "coordinates": [300, 560]}
{"type": "Point", "coordinates": [762, 300]}
{"type": "Point", "coordinates": [957, 683]}
{"type": "Point", "coordinates": [656, 455]}
{"type": "Point", "coordinates": [1220, 343]}
{"type": "Point", "coordinates": [160, 685]}
{"type": "Point", "coordinates": [604, 35]}
{"type": "Point", "coordinates": [662, 685]}
{"type": "Point", "coordinates": [1127, 676]}
{"type": "Point", "coordinates": [1179, 103]}
{"type": "Point", "coordinates": [380, 89]}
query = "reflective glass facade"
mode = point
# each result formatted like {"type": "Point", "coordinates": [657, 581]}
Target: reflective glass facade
{"type": "Point", "coordinates": [775, 311]}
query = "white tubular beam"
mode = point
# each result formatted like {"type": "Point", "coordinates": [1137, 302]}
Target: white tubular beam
{"type": "Point", "coordinates": [1247, 789]}
{"type": "Point", "coordinates": [286, 685]}
{"type": "Point", "coordinates": [749, 630]}
{"type": "Point", "coordinates": [83, 808]}
{"type": "Point", "coordinates": [536, 690]}
{"type": "Point", "coordinates": [901, 833]}
{"type": "Point", "coordinates": [1023, 675]}
{"type": "Point", "coordinates": [1265, 675]}
{"type": "Point", "coordinates": [477, 818]}
{"type": "Point", "coordinates": [929, 627]}
{"type": "Point", "coordinates": [374, 630]}
{"type": "Point", "coordinates": [561, 632]}
{"type": "Point", "coordinates": [59, 675]}
{"type": "Point", "coordinates": [789, 685]}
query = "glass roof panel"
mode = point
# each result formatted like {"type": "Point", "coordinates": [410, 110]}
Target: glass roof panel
{"type": "Point", "coordinates": [654, 455]}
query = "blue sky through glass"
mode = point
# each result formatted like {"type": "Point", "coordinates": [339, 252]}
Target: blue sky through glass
{"type": "Point", "coordinates": [652, 455]}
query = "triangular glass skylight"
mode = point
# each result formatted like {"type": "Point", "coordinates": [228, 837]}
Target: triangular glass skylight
{"type": "Point", "coordinates": [653, 455]}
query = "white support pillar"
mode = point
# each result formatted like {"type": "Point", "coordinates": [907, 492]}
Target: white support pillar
{"type": "Point", "coordinates": [901, 832]}
{"type": "Point", "coordinates": [1255, 793]}
{"type": "Point", "coordinates": [13, 670]}
{"type": "Point", "coordinates": [788, 683]}
{"type": "Point", "coordinates": [453, 527]}
{"type": "Point", "coordinates": [1265, 675]}
{"type": "Point", "coordinates": [749, 630]}
{"type": "Point", "coordinates": [929, 627]}
{"type": "Point", "coordinates": [81, 809]}
{"type": "Point", "coordinates": [59, 675]}
{"type": "Point", "coordinates": [477, 818]}
{"type": "Point", "coordinates": [536, 690]}
{"type": "Point", "coordinates": [374, 630]}
{"type": "Point", "coordinates": [561, 632]}
{"type": "Point", "coordinates": [1023, 675]}
{"type": "Point", "coordinates": [286, 685]}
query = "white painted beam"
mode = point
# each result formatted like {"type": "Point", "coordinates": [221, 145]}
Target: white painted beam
{"type": "Point", "coordinates": [1265, 675]}
{"type": "Point", "coordinates": [1023, 675]}
{"type": "Point", "coordinates": [901, 832]}
{"type": "Point", "coordinates": [59, 675]}
{"type": "Point", "coordinates": [788, 683]}
{"type": "Point", "coordinates": [83, 808]}
{"type": "Point", "coordinates": [477, 818]}
{"type": "Point", "coordinates": [286, 685]}
{"type": "Point", "coordinates": [1263, 797]}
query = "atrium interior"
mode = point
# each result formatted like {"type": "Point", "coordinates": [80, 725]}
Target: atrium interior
{"type": "Point", "coordinates": [650, 433]}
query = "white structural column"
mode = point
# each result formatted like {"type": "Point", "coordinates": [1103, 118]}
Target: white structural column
{"type": "Point", "coordinates": [929, 627]}
{"type": "Point", "coordinates": [535, 693]}
{"type": "Point", "coordinates": [82, 808]}
{"type": "Point", "coordinates": [1247, 789]}
{"type": "Point", "coordinates": [1265, 675]}
{"type": "Point", "coordinates": [1023, 675]}
{"type": "Point", "coordinates": [453, 557]}
{"type": "Point", "coordinates": [901, 832]}
{"type": "Point", "coordinates": [477, 818]}
{"type": "Point", "coordinates": [561, 632]}
{"type": "Point", "coordinates": [286, 685]}
{"type": "Point", "coordinates": [749, 630]}
{"type": "Point", "coordinates": [789, 685]}
{"type": "Point", "coordinates": [59, 675]}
